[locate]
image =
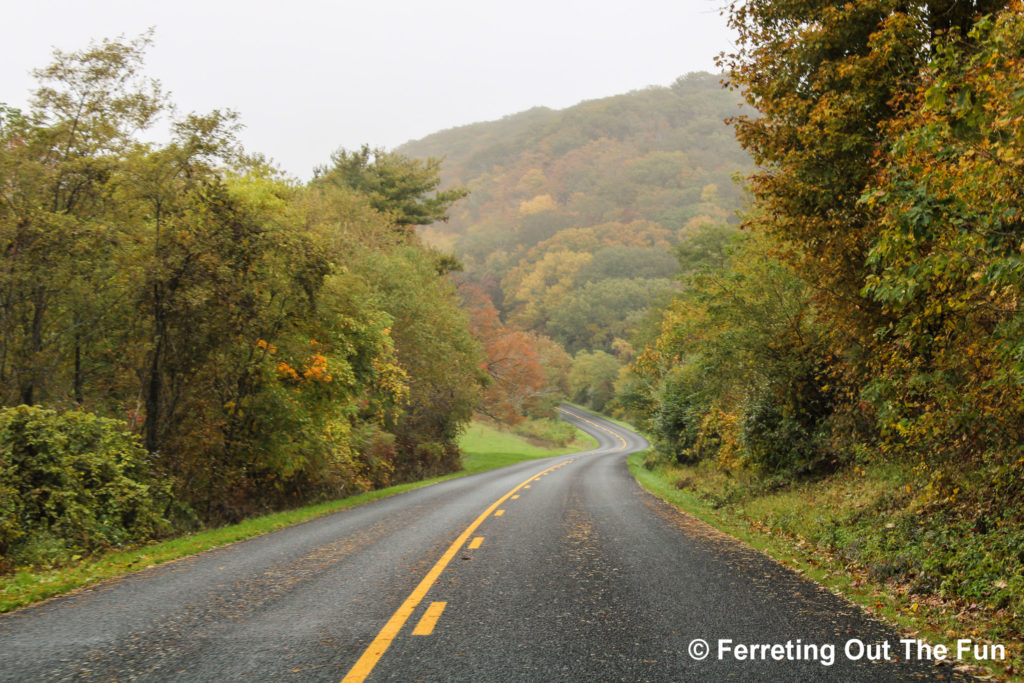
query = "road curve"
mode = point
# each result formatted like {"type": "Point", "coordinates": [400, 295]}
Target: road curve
{"type": "Point", "coordinates": [560, 569]}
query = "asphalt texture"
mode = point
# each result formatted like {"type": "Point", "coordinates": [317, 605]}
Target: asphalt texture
{"type": "Point", "coordinates": [581, 576]}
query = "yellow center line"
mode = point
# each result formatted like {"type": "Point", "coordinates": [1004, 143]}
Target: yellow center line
{"type": "Point", "coordinates": [499, 513]}
{"type": "Point", "coordinates": [364, 665]}
{"type": "Point", "coordinates": [604, 429]}
{"type": "Point", "coordinates": [429, 619]}
{"type": "Point", "coordinates": [476, 542]}
{"type": "Point", "coordinates": [515, 496]}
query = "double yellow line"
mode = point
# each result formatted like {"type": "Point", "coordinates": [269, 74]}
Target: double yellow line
{"type": "Point", "coordinates": [591, 422]}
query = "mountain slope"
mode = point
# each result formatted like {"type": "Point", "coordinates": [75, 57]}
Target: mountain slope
{"type": "Point", "coordinates": [574, 216]}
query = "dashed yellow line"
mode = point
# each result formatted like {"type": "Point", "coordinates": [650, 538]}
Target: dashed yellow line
{"type": "Point", "coordinates": [364, 665]}
{"type": "Point", "coordinates": [368, 660]}
{"type": "Point", "coordinates": [429, 619]}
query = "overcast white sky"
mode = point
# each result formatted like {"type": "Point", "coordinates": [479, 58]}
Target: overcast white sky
{"type": "Point", "coordinates": [309, 76]}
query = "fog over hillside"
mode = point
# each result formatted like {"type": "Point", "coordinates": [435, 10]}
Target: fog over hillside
{"type": "Point", "coordinates": [573, 215]}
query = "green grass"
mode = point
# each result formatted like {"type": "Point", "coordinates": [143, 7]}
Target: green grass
{"type": "Point", "coordinates": [484, 448]}
{"type": "Point", "coordinates": [550, 432]}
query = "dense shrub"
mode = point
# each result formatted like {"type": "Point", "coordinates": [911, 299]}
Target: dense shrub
{"type": "Point", "coordinates": [71, 483]}
{"type": "Point", "coordinates": [741, 372]}
{"type": "Point", "coordinates": [780, 438]}
{"type": "Point", "coordinates": [677, 415]}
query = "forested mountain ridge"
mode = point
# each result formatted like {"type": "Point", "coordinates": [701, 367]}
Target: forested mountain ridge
{"type": "Point", "coordinates": [573, 215]}
{"type": "Point", "coordinates": [646, 154]}
{"type": "Point", "coordinates": [479, 144]}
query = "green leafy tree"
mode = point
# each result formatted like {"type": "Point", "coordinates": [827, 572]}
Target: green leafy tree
{"type": "Point", "coordinates": [946, 264]}
{"type": "Point", "coordinates": [405, 189]}
{"type": "Point", "coordinates": [827, 79]}
{"type": "Point", "coordinates": [740, 370]}
{"type": "Point", "coordinates": [56, 164]}
{"type": "Point", "coordinates": [435, 348]}
{"type": "Point", "coordinates": [592, 378]}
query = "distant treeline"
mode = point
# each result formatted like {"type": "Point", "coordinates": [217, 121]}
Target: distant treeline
{"type": "Point", "coordinates": [190, 336]}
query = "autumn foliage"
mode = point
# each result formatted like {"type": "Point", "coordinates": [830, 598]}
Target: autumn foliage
{"type": "Point", "coordinates": [567, 234]}
{"type": "Point", "coordinates": [518, 383]}
{"type": "Point", "coordinates": [869, 316]}
{"type": "Point", "coordinates": [249, 341]}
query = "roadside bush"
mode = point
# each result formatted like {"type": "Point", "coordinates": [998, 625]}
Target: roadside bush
{"type": "Point", "coordinates": [548, 431]}
{"type": "Point", "coordinates": [780, 440]}
{"type": "Point", "coordinates": [719, 439]}
{"type": "Point", "coordinates": [378, 454]}
{"type": "Point", "coordinates": [677, 416]}
{"type": "Point", "coordinates": [71, 483]}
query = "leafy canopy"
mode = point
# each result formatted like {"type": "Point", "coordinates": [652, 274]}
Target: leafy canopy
{"type": "Point", "coordinates": [403, 188]}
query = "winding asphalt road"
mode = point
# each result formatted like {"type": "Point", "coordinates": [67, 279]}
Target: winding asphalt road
{"type": "Point", "coordinates": [560, 569]}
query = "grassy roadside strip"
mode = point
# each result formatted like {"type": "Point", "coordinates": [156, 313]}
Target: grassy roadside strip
{"type": "Point", "coordinates": [756, 521]}
{"type": "Point", "coordinates": [484, 448]}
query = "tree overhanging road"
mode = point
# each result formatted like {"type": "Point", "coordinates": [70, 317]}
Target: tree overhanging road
{"type": "Point", "coordinates": [558, 569]}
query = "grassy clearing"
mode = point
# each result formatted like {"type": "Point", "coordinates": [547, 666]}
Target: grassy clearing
{"type": "Point", "coordinates": [549, 432]}
{"type": "Point", "coordinates": [860, 534]}
{"type": "Point", "coordinates": [484, 448]}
